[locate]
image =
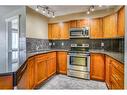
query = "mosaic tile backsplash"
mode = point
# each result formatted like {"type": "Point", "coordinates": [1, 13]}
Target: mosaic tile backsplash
{"type": "Point", "coordinates": [34, 44]}
{"type": "Point", "coordinates": [116, 45]}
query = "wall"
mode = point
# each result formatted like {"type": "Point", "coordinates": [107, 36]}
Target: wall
{"type": "Point", "coordinates": [10, 12]}
{"type": "Point", "coordinates": [36, 25]}
{"type": "Point", "coordinates": [125, 54]}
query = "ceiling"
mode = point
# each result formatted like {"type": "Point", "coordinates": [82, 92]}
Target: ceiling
{"type": "Point", "coordinates": [69, 9]}
{"type": "Point", "coordinates": [6, 9]}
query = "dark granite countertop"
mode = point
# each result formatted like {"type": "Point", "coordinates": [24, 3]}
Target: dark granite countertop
{"type": "Point", "coordinates": [116, 55]}
{"type": "Point", "coordinates": [29, 54]}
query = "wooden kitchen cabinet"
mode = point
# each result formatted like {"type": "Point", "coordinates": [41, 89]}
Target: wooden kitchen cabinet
{"type": "Point", "coordinates": [58, 31]}
{"type": "Point", "coordinates": [83, 23]}
{"type": "Point", "coordinates": [121, 22]}
{"type": "Point", "coordinates": [108, 71]}
{"type": "Point", "coordinates": [64, 30]}
{"type": "Point", "coordinates": [55, 31]}
{"type": "Point", "coordinates": [40, 66]}
{"type": "Point", "coordinates": [73, 24]}
{"type": "Point", "coordinates": [110, 26]}
{"type": "Point", "coordinates": [6, 82]}
{"type": "Point", "coordinates": [49, 31]}
{"type": "Point", "coordinates": [114, 74]}
{"type": "Point", "coordinates": [97, 66]}
{"type": "Point", "coordinates": [62, 62]}
{"type": "Point", "coordinates": [96, 28]}
{"type": "Point", "coordinates": [51, 64]}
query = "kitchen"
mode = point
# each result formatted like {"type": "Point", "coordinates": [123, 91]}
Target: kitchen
{"type": "Point", "coordinates": [86, 48]}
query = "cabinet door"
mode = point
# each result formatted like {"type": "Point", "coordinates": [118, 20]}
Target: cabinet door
{"type": "Point", "coordinates": [51, 66]}
{"type": "Point", "coordinates": [31, 72]}
{"type": "Point", "coordinates": [96, 28]}
{"type": "Point", "coordinates": [6, 82]}
{"type": "Point", "coordinates": [64, 30]}
{"type": "Point", "coordinates": [97, 67]}
{"type": "Point", "coordinates": [49, 31]}
{"type": "Point", "coordinates": [73, 24]}
{"type": "Point", "coordinates": [108, 72]}
{"type": "Point", "coordinates": [110, 26]}
{"type": "Point", "coordinates": [62, 62]}
{"type": "Point", "coordinates": [121, 22]}
{"type": "Point", "coordinates": [82, 23]}
{"type": "Point", "coordinates": [55, 31]}
{"type": "Point", "coordinates": [24, 81]}
{"type": "Point", "coordinates": [40, 70]}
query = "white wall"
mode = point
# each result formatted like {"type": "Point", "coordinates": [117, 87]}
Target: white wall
{"type": "Point", "coordinates": [36, 25]}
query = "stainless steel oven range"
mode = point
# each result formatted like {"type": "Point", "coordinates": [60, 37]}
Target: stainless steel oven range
{"type": "Point", "coordinates": [79, 61]}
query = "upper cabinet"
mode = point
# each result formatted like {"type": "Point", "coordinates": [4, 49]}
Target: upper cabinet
{"type": "Point", "coordinates": [82, 23]}
{"type": "Point", "coordinates": [96, 28]}
{"type": "Point", "coordinates": [110, 26]}
{"type": "Point", "coordinates": [58, 31]}
{"type": "Point", "coordinates": [121, 22]}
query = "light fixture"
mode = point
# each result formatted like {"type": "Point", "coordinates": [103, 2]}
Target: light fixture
{"type": "Point", "coordinates": [37, 8]}
{"type": "Point", "coordinates": [53, 16]}
{"type": "Point", "coordinates": [92, 8]}
{"type": "Point", "coordinates": [45, 11]}
{"type": "Point", "coordinates": [88, 12]}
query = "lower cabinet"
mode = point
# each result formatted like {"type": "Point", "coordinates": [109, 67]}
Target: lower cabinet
{"type": "Point", "coordinates": [97, 66]}
{"type": "Point", "coordinates": [62, 62]}
{"type": "Point", "coordinates": [6, 81]}
{"type": "Point", "coordinates": [114, 74]}
{"type": "Point", "coordinates": [105, 68]}
{"type": "Point", "coordinates": [39, 68]}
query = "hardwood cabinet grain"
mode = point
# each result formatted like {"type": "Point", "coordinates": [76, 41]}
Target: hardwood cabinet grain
{"type": "Point", "coordinates": [64, 30]}
{"type": "Point", "coordinates": [97, 67]}
{"type": "Point", "coordinates": [6, 82]}
{"type": "Point", "coordinates": [62, 62]}
{"type": "Point", "coordinates": [121, 22]}
{"type": "Point", "coordinates": [73, 24]}
{"type": "Point", "coordinates": [110, 26]}
{"type": "Point", "coordinates": [96, 28]}
{"type": "Point", "coordinates": [55, 31]}
{"type": "Point", "coordinates": [83, 23]}
{"type": "Point", "coordinates": [49, 31]}
{"type": "Point", "coordinates": [108, 71]}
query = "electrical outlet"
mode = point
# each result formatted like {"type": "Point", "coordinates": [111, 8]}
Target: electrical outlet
{"type": "Point", "coordinates": [62, 43]}
{"type": "Point", "coordinates": [102, 44]}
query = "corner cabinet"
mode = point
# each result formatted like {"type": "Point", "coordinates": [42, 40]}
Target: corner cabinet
{"type": "Point", "coordinates": [97, 66]}
{"type": "Point", "coordinates": [39, 68]}
{"type": "Point", "coordinates": [114, 74]}
{"type": "Point", "coordinates": [96, 28]}
{"type": "Point", "coordinates": [121, 22]}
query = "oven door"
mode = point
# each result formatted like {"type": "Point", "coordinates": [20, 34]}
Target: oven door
{"type": "Point", "coordinates": [79, 62]}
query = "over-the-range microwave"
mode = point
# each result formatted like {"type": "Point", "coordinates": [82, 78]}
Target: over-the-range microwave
{"type": "Point", "coordinates": [79, 32]}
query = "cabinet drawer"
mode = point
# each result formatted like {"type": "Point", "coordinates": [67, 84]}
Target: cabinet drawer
{"type": "Point", "coordinates": [118, 66]}
{"type": "Point", "coordinates": [51, 55]}
{"type": "Point", "coordinates": [118, 76]}
{"type": "Point", "coordinates": [41, 57]}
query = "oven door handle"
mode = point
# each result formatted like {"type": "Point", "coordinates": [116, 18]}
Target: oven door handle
{"type": "Point", "coordinates": [79, 56]}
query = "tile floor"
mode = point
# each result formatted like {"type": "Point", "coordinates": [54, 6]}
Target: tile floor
{"type": "Point", "coordinates": [65, 82]}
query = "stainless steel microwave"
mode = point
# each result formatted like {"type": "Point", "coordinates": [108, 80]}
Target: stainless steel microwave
{"type": "Point", "coordinates": [79, 32]}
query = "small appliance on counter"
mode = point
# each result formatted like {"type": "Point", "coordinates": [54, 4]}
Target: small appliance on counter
{"type": "Point", "coordinates": [79, 61]}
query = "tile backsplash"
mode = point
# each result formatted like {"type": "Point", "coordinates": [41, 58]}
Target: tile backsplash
{"type": "Point", "coordinates": [43, 44]}
{"type": "Point", "coordinates": [34, 44]}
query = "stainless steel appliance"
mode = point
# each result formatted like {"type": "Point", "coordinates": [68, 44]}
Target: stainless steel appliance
{"type": "Point", "coordinates": [79, 61]}
{"type": "Point", "coordinates": [79, 32]}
